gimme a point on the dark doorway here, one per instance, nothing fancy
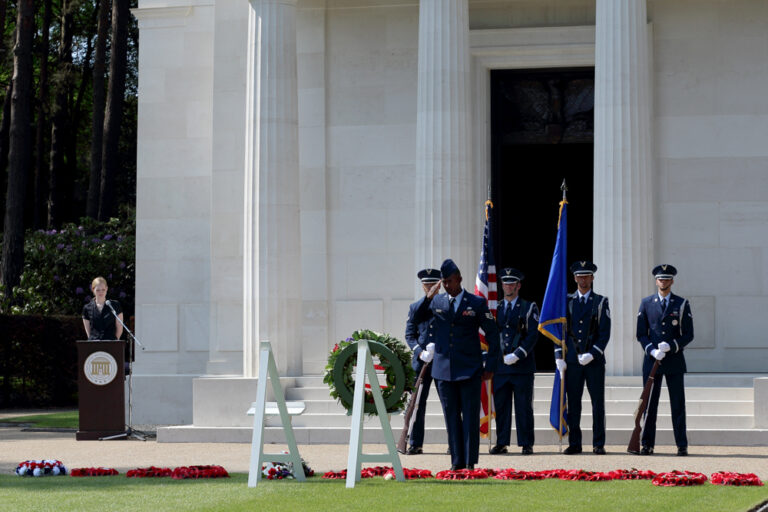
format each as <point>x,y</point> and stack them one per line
<point>542,133</point>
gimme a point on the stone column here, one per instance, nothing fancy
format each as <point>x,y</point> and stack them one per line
<point>272,264</point>
<point>623,223</point>
<point>445,222</point>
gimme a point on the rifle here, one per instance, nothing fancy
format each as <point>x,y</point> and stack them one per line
<point>642,407</point>
<point>410,411</point>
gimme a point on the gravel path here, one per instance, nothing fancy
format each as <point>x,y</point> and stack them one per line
<point>17,446</point>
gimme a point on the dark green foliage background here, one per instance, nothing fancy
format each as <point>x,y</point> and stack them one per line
<point>59,266</point>
<point>38,360</point>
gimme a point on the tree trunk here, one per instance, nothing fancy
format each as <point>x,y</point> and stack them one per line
<point>58,178</point>
<point>20,150</point>
<point>6,120</point>
<point>114,111</point>
<point>97,122</point>
<point>5,128</point>
<point>42,123</point>
<point>3,11</point>
<point>79,191</point>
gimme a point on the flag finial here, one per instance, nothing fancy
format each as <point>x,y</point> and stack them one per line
<point>564,188</point>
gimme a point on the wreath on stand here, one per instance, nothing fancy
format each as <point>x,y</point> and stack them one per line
<point>394,360</point>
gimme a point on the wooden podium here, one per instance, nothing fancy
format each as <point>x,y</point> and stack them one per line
<point>101,389</point>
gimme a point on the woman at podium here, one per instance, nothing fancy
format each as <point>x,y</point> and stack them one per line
<point>99,314</point>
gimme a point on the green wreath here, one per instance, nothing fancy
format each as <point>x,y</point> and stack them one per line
<point>394,359</point>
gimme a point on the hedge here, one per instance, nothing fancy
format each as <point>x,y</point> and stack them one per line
<point>38,360</point>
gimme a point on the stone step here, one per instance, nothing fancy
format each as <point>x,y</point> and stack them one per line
<point>612,420</point>
<point>743,380</point>
<point>542,406</point>
<point>611,393</point>
<point>544,436</point>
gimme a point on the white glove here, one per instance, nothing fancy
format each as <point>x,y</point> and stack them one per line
<point>585,359</point>
<point>658,354</point>
<point>511,359</point>
<point>426,356</point>
<point>561,366</point>
<point>431,348</point>
<point>664,346</point>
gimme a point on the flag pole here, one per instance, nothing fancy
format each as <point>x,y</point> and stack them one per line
<point>490,413</point>
<point>489,382</point>
<point>564,188</point>
<point>485,283</point>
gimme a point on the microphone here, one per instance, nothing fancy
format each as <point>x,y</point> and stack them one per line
<point>109,304</point>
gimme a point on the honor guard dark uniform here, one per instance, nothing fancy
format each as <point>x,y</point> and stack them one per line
<point>518,322</point>
<point>415,336</point>
<point>589,330</point>
<point>457,315</point>
<point>664,329</point>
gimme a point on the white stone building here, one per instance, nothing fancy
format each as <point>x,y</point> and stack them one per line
<point>312,155</point>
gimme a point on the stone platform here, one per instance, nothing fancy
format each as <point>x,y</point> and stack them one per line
<point>721,411</point>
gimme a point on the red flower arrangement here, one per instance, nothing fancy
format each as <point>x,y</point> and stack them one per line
<point>93,472</point>
<point>672,478</point>
<point>465,474</point>
<point>738,479</point>
<point>632,474</point>
<point>374,471</point>
<point>195,472</point>
<point>336,475</point>
<point>149,472</point>
<point>513,474</point>
<point>585,476</point>
<point>410,474</point>
<point>179,473</point>
<point>679,478</point>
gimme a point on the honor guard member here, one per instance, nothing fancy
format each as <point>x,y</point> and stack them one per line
<point>664,328</point>
<point>589,329</point>
<point>518,322</point>
<point>415,336</point>
<point>454,343</point>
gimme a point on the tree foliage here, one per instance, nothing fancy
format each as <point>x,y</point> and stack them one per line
<point>61,263</point>
<point>69,55</point>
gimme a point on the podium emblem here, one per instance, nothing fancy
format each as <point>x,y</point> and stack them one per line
<point>100,368</point>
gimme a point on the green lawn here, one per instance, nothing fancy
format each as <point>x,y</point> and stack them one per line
<point>64,419</point>
<point>119,493</point>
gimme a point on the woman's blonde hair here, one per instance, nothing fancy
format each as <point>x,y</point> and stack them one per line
<point>98,280</point>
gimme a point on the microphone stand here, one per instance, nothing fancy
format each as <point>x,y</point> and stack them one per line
<point>130,432</point>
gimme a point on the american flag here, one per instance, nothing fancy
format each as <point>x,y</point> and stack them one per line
<point>485,286</point>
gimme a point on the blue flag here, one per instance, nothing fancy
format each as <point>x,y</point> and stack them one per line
<point>558,413</point>
<point>552,322</point>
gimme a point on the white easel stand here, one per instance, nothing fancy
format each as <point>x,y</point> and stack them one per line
<point>261,408</point>
<point>356,455</point>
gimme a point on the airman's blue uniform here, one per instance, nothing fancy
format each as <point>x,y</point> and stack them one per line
<point>518,323</point>
<point>458,362</point>
<point>415,336</point>
<point>673,325</point>
<point>589,330</point>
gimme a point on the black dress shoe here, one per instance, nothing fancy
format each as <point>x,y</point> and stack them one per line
<point>598,450</point>
<point>682,452</point>
<point>414,450</point>
<point>646,450</point>
<point>499,448</point>
<point>572,450</point>
<point>456,467</point>
<point>527,450</point>
<point>471,467</point>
